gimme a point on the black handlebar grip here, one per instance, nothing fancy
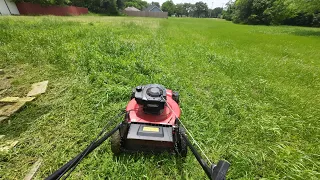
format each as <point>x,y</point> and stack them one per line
<point>219,172</point>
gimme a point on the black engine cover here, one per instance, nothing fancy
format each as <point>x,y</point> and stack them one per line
<point>151,97</point>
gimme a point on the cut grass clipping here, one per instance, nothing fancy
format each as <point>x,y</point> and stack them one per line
<point>249,94</point>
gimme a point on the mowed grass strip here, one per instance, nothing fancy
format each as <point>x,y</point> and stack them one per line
<point>249,94</point>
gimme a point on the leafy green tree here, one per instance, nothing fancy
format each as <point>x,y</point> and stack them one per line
<point>228,13</point>
<point>258,9</point>
<point>132,4</point>
<point>216,12</point>
<point>243,9</point>
<point>279,11</point>
<point>169,7</point>
<point>180,10</point>
<point>111,7</point>
<point>156,4</point>
<point>201,9</point>
<point>139,4</point>
<point>310,6</point>
<point>188,9</point>
<point>289,12</point>
<point>143,4</point>
<point>316,20</point>
<point>120,4</point>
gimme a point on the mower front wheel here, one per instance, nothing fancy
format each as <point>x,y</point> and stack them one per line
<point>116,143</point>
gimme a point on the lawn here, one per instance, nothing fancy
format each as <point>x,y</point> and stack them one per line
<point>249,94</point>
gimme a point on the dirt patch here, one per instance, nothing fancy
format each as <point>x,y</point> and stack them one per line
<point>5,84</point>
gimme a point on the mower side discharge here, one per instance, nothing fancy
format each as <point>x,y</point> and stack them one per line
<point>152,125</point>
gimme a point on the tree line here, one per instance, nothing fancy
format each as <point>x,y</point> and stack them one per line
<point>266,12</point>
<point>114,7</point>
<point>110,7</point>
<point>199,9</point>
<point>274,12</point>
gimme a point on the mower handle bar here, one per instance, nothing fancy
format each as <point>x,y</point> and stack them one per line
<point>65,168</point>
<point>215,172</point>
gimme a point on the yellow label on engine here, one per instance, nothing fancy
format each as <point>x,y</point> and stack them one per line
<point>150,129</point>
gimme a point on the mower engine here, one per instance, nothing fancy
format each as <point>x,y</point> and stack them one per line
<point>150,124</point>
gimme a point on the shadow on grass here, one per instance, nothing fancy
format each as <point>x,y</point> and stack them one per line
<point>301,32</point>
<point>159,159</point>
<point>21,120</point>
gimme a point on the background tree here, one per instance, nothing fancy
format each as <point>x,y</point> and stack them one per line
<point>156,4</point>
<point>288,12</point>
<point>169,7</point>
<point>259,9</point>
<point>268,12</point>
<point>229,11</point>
<point>111,7</point>
<point>201,9</point>
<point>310,6</point>
<point>139,4</point>
<point>180,10</point>
<point>120,4</point>
<point>188,8</point>
<point>216,12</point>
<point>243,9</point>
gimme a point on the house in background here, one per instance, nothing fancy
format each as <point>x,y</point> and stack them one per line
<point>151,11</point>
<point>7,7</point>
<point>153,8</point>
<point>131,9</point>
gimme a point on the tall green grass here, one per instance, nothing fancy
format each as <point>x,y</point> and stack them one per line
<point>249,94</point>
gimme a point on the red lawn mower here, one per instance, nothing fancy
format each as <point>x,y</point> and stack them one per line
<point>151,124</point>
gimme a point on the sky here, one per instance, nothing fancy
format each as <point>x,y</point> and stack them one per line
<point>216,3</point>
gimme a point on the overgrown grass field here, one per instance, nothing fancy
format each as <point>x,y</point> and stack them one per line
<point>249,94</point>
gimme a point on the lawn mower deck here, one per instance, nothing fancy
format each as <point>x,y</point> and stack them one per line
<point>150,125</point>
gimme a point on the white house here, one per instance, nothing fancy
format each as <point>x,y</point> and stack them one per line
<point>8,7</point>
